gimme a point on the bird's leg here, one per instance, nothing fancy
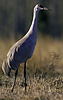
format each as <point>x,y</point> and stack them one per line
<point>25,74</point>
<point>14,80</point>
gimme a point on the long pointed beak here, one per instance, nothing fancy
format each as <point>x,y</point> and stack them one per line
<point>46,9</point>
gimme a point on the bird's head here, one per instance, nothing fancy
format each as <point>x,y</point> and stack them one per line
<point>40,7</point>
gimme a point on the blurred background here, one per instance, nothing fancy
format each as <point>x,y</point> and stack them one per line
<point>45,68</point>
<point>16,18</point>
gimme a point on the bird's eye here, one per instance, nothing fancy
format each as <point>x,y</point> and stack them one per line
<point>41,6</point>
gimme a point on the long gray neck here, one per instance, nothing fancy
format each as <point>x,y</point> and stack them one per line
<point>33,28</point>
<point>34,22</point>
<point>32,33</point>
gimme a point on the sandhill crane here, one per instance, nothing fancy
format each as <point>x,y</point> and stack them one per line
<point>22,50</point>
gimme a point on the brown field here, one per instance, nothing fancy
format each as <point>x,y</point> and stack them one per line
<point>44,72</point>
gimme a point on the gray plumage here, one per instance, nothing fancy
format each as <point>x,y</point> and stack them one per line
<point>22,50</point>
<point>19,53</point>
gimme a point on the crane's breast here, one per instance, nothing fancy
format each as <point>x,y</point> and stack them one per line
<point>24,51</point>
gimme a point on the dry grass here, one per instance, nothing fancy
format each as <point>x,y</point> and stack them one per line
<point>44,72</point>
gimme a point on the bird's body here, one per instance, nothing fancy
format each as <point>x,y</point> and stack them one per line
<point>22,50</point>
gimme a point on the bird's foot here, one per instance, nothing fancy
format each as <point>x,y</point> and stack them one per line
<point>23,84</point>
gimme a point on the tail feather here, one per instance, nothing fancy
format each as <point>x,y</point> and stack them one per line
<point>6,69</point>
